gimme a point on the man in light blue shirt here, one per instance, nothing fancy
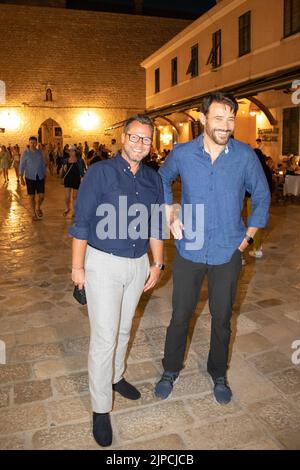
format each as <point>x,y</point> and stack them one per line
<point>33,166</point>
<point>215,172</point>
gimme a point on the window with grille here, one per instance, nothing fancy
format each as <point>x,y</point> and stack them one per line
<point>290,131</point>
<point>291,17</point>
<point>245,33</point>
<point>193,65</point>
<point>157,81</point>
<point>215,56</point>
<point>174,79</point>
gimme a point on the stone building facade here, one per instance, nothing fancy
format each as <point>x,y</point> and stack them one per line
<point>247,47</point>
<point>72,73</point>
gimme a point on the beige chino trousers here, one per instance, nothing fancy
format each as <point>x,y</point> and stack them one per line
<point>113,288</point>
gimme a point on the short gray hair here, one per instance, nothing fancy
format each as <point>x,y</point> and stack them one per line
<point>141,118</point>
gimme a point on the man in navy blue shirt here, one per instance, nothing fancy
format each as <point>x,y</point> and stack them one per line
<point>113,228</point>
<point>33,166</point>
<point>215,172</point>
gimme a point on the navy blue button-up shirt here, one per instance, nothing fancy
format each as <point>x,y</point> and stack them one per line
<point>212,198</point>
<point>99,197</point>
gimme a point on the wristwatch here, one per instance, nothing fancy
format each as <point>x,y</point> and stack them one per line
<point>249,239</point>
<point>159,265</point>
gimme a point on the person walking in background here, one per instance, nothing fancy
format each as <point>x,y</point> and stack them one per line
<point>215,172</point>
<point>86,149</point>
<point>94,154</point>
<point>260,144</point>
<point>33,167</point>
<point>257,251</point>
<point>51,159</point>
<point>115,268</point>
<point>5,162</point>
<point>16,156</point>
<point>114,148</point>
<point>59,155</point>
<point>74,171</point>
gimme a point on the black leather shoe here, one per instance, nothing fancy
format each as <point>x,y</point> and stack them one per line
<point>126,390</point>
<point>102,430</point>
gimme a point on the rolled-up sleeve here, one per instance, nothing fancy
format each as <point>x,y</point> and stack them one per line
<point>168,173</point>
<point>86,204</point>
<point>257,185</point>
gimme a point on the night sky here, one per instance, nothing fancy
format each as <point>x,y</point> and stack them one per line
<point>172,8</point>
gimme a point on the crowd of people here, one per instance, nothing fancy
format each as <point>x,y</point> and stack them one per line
<point>69,163</point>
<point>9,157</point>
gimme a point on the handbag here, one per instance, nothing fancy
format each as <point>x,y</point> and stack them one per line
<point>65,172</point>
<point>79,295</point>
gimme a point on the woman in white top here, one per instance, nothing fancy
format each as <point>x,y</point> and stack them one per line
<point>16,160</point>
<point>5,162</point>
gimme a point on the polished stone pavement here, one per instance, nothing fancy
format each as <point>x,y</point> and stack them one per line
<point>44,398</point>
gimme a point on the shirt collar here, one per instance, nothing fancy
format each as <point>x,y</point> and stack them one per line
<point>200,142</point>
<point>125,165</point>
<point>122,162</point>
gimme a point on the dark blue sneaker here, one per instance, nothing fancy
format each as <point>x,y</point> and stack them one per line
<point>222,391</point>
<point>164,387</point>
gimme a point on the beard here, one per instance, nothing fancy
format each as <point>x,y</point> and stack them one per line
<point>132,156</point>
<point>218,136</point>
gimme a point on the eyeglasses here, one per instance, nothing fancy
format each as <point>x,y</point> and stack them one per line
<point>136,138</point>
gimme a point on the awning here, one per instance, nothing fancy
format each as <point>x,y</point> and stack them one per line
<point>241,90</point>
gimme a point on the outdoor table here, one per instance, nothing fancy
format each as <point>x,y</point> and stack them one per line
<point>292,185</point>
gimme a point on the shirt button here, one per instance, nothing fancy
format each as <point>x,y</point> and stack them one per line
<point>136,193</point>
<point>133,245</point>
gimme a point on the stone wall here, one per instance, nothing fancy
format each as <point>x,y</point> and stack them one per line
<point>90,60</point>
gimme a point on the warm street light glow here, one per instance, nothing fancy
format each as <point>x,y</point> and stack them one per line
<point>88,121</point>
<point>166,138</point>
<point>9,120</point>
<point>260,118</point>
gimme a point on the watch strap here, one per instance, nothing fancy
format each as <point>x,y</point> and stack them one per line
<point>249,239</point>
<point>161,266</point>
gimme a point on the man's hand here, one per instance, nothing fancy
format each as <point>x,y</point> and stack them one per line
<point>22,181</point>
<point>176,227</point>
<point>78,277</point>
<point>243,246</point>
<point>153,278</point>
<point>173,221</point>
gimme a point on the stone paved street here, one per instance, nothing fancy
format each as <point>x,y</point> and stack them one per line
<point>44,398</point>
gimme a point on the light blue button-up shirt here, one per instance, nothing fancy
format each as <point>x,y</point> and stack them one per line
<point>33,165</point>
<point>212,198</point>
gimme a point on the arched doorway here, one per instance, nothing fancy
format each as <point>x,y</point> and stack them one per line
<point>50,132</point>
